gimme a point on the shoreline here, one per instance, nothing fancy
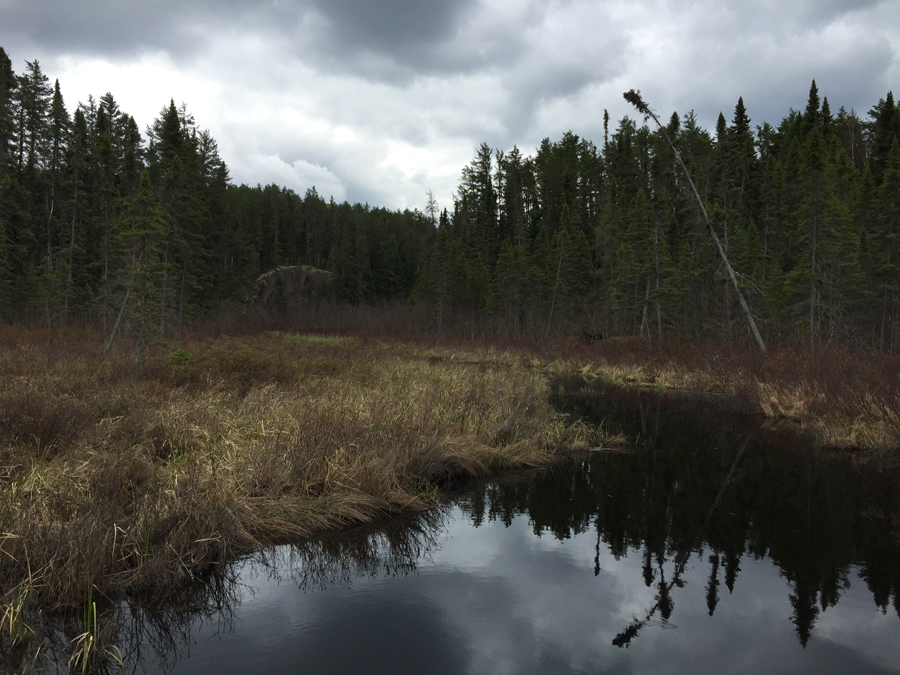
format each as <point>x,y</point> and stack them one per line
<point>120,477</point>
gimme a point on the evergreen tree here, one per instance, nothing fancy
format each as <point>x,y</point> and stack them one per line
<point>34,93</point>
<point>8,85</point>
<point>77,160</point>
<point>54,270</point>
<point>884,129</point>
<point>140,240</point>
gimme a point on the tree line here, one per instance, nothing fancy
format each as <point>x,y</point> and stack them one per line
<point>611,238</point>
<point>101,223</point>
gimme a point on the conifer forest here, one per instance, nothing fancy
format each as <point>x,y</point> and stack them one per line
<point>103,224</point>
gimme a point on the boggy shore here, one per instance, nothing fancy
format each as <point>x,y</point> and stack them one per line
<point>126,476</point>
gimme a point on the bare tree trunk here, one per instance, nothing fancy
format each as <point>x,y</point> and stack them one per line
<point>812,284</point>
<point>71,251</point>
<point>645,323</point>
<point>555,284</point>
<point>634,98</point>
<point>181,297</point>
<point>163,290</point>
<point>105,284</point>
<point>115,329</point>
<point>656,264</point>
<point>47,319</point>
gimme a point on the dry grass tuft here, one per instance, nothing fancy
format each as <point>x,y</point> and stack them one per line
<point>116,476</point>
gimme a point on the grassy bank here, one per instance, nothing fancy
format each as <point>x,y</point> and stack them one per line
<point>847,400</point>
<point>120,477</point>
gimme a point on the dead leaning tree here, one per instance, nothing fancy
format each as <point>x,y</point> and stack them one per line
<point>634,98</point>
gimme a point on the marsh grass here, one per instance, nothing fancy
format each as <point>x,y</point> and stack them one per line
<point>89,648</point>
<point>844,399</point>
<point>143,478</point>
<point>127,477</point>
<point>13,620</point>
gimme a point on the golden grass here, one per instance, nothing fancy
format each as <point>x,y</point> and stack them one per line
<point>116,476</point>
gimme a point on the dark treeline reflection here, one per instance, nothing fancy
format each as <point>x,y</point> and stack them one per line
<point>708,487</point>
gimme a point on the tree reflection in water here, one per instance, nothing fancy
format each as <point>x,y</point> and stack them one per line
<point>706,486</point>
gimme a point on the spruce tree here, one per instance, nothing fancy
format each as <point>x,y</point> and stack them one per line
<point>34,93</point>
<point>8,85</point>
<point>140,240</point>
<point>887,245</point>
<point>884,128</point>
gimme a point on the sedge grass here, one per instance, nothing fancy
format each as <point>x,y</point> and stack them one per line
<point>137,477</point>
<point>846,400</point>
<point>88,649</point>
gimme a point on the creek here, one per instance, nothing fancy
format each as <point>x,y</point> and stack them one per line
<point>711,546</point>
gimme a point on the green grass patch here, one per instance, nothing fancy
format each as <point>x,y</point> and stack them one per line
<point>330,340</point>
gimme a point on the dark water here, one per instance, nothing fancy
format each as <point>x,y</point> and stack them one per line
<point>709,548</point>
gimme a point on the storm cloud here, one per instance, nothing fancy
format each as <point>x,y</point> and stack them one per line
<point>381,101</point>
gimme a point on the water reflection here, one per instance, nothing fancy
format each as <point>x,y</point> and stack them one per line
<point>707,548</point>
<point>710,478</point>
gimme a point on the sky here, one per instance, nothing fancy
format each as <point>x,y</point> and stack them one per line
<point>380,101</point>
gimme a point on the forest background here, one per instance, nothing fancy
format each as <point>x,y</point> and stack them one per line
<point>99,226</point>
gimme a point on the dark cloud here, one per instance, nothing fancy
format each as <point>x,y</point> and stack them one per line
<point>102,27</point>
<point>390,40</point>
<point>348,91</point>
<point>399,41</point>
<point>395,27</point>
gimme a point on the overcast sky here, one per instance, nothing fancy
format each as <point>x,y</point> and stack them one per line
<point>379,101</point>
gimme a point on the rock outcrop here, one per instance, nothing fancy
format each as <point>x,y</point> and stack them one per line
<point>287,288</point>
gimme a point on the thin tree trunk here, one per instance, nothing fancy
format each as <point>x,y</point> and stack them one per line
<point>49,262</point>
<point>634,98</point>
<point>71,252</point>
<point>115,329</point>
<point>162,299</point>
<point>181,297</point>
<point>656,263</point>
<point>812,287</point>
<point>105,260</point>
<point>645,327</point>
<point>555,284</point>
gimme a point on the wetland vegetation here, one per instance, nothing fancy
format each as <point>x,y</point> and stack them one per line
<point>123,478</point>
<point>191,370</point>
<point>708,527</point>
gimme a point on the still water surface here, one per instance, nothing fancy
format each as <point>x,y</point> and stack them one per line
<point>706,549</point>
